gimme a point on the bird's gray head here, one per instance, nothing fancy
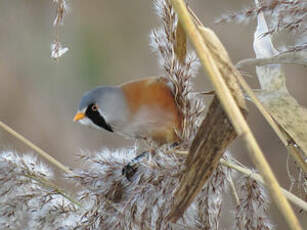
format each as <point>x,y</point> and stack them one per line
<point>102,107</point>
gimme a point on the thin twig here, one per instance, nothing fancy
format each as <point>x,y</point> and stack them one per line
<point>283,58</point>
<point>292,179</point>
<point>235,114</point>
<point>234,191</point>
<point>291,197</point>
<point>210,92</point>
<point>47,184</point>
<point>41,152</point>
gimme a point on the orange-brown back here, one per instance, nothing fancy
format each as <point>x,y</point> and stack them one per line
<point>155,92</point>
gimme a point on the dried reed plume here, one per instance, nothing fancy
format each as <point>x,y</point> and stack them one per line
<point>251,213</point>
<point>180,72</point>
<point>28,199</point>
<point>285,15</point>
<point>56,47</point>
<point>114,203</point>
<point>209,202</point>
<point>282,16</point>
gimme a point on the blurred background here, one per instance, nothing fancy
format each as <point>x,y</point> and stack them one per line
<point>108,42</point>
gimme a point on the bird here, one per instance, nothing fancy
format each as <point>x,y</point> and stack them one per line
<point>140,109</point>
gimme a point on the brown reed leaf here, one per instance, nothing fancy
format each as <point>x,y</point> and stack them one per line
<point>215,134</point>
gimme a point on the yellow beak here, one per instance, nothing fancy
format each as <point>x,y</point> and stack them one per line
<point>79,116</point>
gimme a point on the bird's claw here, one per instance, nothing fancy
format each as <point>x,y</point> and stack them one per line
<point>129,170</point>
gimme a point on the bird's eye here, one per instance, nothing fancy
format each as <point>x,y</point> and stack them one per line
<point>94,108</point>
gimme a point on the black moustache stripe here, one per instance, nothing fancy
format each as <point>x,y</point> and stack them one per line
<point>97,119</point>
